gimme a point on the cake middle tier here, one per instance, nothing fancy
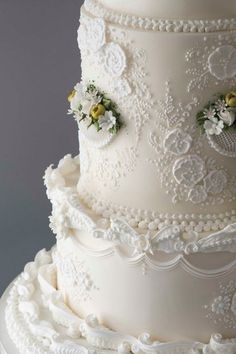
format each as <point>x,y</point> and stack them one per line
<point>97,260</point>
<point>159,166</point>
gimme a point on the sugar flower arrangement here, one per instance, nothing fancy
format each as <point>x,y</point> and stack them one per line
<point>92,106</point>
<point>218,115</point>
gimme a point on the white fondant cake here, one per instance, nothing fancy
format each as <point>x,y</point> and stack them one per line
<point>160,169</point>
<point>145,216</point>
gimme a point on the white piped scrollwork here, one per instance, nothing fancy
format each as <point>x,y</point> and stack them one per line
<point>69,213</point>
<point>52,327</point>
<point>168,240</point>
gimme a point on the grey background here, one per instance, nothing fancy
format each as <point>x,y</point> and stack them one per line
<point>39,64</point>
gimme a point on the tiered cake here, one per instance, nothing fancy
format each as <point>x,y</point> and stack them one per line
<point>145,216</point>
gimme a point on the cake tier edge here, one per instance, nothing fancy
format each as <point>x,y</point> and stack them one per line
<point>38,321</point>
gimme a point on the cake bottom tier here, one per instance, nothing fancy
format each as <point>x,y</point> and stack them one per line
<point>40,322</point>
<point>171,296</point>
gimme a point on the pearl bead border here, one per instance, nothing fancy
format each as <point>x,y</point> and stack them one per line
<point>159,25</point>
<point>153,221</point>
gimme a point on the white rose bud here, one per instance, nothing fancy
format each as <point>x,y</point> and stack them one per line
<point>228,117</point>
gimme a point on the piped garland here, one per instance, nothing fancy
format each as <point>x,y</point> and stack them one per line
<point>94,107</point>
<point>218,115</point>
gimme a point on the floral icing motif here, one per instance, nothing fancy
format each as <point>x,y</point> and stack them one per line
<point>175,138</point>
<point>108,171</point>
<point>92,34</point>
<point>93,107</point>
<point>49,326</point>
<point>222,308</point>
<point>114,59</point>
<point>75,274</point>
<point>215,181</point>
<point>221,305</point>
<point>212,62</point>
<point>197,194</point>
<point>118,69</point>
<point>173,123</point>
<point>177,142</point>
<point>189,170</point>
<point>121,87</point>
<point>222,62</point>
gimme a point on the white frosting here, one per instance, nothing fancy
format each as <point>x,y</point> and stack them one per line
<point>181,9</point>
<point>69,212</point>
<point>93,251</point>
<point>123,251</point>
<point>158,166</point>
<point>190,23</point>
<point>39,322</point>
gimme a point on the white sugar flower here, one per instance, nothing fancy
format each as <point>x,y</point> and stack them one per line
<point>220,105</point>
<point>107,121</point>
<point>76,97</point>
<point>209,114</point>
<point>75,102</point>
<point>214,127</point>
<point>228,117</point>
<point>87,106</point>
<point>82,101</point>
<point>80,89</point>
<point>91,98</point>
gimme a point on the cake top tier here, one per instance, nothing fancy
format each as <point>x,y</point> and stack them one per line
<point>175,9</point>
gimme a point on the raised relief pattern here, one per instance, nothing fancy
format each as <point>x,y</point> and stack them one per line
<point>184,171</point>
<point>223,306</point>
<point>38,322</point>
<point>120,71</point>
<point>70,213</point>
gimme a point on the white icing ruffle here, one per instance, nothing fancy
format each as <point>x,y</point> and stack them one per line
<point>69,213</point>
<point>39,322</point>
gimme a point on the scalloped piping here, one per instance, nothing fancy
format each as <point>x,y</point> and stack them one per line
<point>158,25</point>
<point>156,265</point>
<point>69,213</point>
<point>146,219</point>
<point>33,335</point>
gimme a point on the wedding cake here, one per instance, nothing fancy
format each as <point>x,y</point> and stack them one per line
<point>145,215</point>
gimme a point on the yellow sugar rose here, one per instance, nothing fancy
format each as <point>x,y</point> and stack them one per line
<point>97,111</point>
<point>230,99</point>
